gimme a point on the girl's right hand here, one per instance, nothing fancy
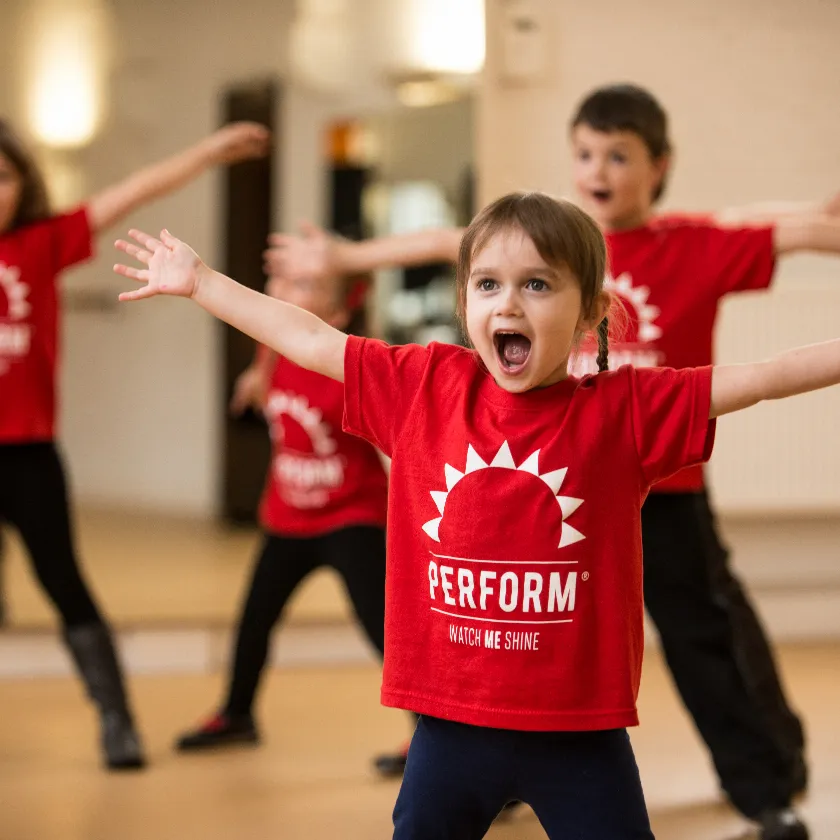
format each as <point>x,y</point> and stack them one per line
<point>308,256</point>
<point>173,267</point>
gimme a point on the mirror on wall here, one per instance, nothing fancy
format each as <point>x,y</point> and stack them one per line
<point>397,172</point>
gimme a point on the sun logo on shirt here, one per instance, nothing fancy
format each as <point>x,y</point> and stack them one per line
<point>15,291</point>
<point>636,298</point>
<point>504,461</point>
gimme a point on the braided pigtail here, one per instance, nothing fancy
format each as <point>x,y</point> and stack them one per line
<point>603,331</point>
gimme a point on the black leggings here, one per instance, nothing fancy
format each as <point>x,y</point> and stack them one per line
<point>357,553</point>
<point>33,499</point>
<point>718,653</point>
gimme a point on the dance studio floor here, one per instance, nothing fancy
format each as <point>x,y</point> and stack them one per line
<point>171,588</point>
<point>311,779</point>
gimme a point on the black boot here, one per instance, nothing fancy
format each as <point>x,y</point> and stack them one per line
<point>391,765</point>
<point>96,661</point>
<point>782,824</point>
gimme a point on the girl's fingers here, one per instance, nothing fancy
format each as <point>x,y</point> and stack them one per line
<point>140,274</point>
<point>138,294</point>
<point>168,239</point>
<point>148,242</point>
<point>139,254</point>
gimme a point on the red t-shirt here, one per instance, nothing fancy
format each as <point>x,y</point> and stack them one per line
<point>670,276</point>
<point>320,478</point>
<point>31,257</point>
<point>514,584</point>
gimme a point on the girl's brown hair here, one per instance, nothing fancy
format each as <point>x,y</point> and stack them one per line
<point>34,204</point>
<point>563,235</point>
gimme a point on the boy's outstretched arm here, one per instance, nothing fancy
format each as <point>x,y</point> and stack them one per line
<point>235,142</point>
<point>772,212</point>
<point>175,269</point>
<point>797,226</point>
<point>818,232</point>
<point>793,372</point>
<point>315,255</point>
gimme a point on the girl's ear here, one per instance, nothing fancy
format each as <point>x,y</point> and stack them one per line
<point>600,307</point>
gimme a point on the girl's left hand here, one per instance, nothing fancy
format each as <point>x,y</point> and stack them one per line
<point>173,267</point>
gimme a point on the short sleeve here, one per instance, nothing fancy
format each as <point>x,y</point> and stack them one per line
<point>740,259</point>
<point>671,419</point>
<point>71,239</point>
<point>380,382</point>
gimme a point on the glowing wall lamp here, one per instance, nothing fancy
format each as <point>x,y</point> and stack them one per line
<point>67,58</point>
<point>436,48</point>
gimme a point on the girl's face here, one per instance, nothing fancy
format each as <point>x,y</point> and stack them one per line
<point>615,176</point>
<point>522,315</point>
<point>11,186</point>
<point>320,297</point>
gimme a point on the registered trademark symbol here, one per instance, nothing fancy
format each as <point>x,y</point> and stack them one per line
<point>585,576</point>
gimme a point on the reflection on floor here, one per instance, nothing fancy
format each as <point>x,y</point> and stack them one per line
<point>311,779</point>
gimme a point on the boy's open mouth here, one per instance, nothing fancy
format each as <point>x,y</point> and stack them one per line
<point>602,195</point>
<point>512,349</point>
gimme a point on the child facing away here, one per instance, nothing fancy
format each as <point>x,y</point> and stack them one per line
<point>324,505</point>
<point>514,601</point>
<point>36,245</point>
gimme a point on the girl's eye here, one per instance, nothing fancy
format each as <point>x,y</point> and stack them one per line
<point>537,284</point>
<point>583,154</point>
<point>617,157</point>
<point>486,284</point>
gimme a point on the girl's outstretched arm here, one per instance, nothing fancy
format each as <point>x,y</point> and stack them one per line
<point>235,142</point>
<point>793,372</point>
<point>315,254</point>
<point>175,269</point>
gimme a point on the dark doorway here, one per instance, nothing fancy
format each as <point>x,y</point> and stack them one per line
<point>248,211</point>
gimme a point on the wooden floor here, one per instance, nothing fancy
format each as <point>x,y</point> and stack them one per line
<point>311,779</point>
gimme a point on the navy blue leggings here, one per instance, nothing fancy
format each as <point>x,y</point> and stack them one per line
<point>581,785</point>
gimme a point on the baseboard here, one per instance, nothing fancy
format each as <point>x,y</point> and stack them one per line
<point>40,653</point>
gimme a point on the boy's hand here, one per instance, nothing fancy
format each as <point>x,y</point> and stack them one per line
<point>173,267</point>
<point>308,256</point>
<point>238,141</point>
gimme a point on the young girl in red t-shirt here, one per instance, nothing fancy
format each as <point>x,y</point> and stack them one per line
<point>35,246</point>
<point>514,604</point>
<point>324,505</point>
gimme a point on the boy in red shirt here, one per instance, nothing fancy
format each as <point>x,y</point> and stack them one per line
<point>514,603</point>
<point>670,273</point>
<point>35,246</point>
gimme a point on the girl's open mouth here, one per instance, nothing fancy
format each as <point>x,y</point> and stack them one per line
<point>513,350</point>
